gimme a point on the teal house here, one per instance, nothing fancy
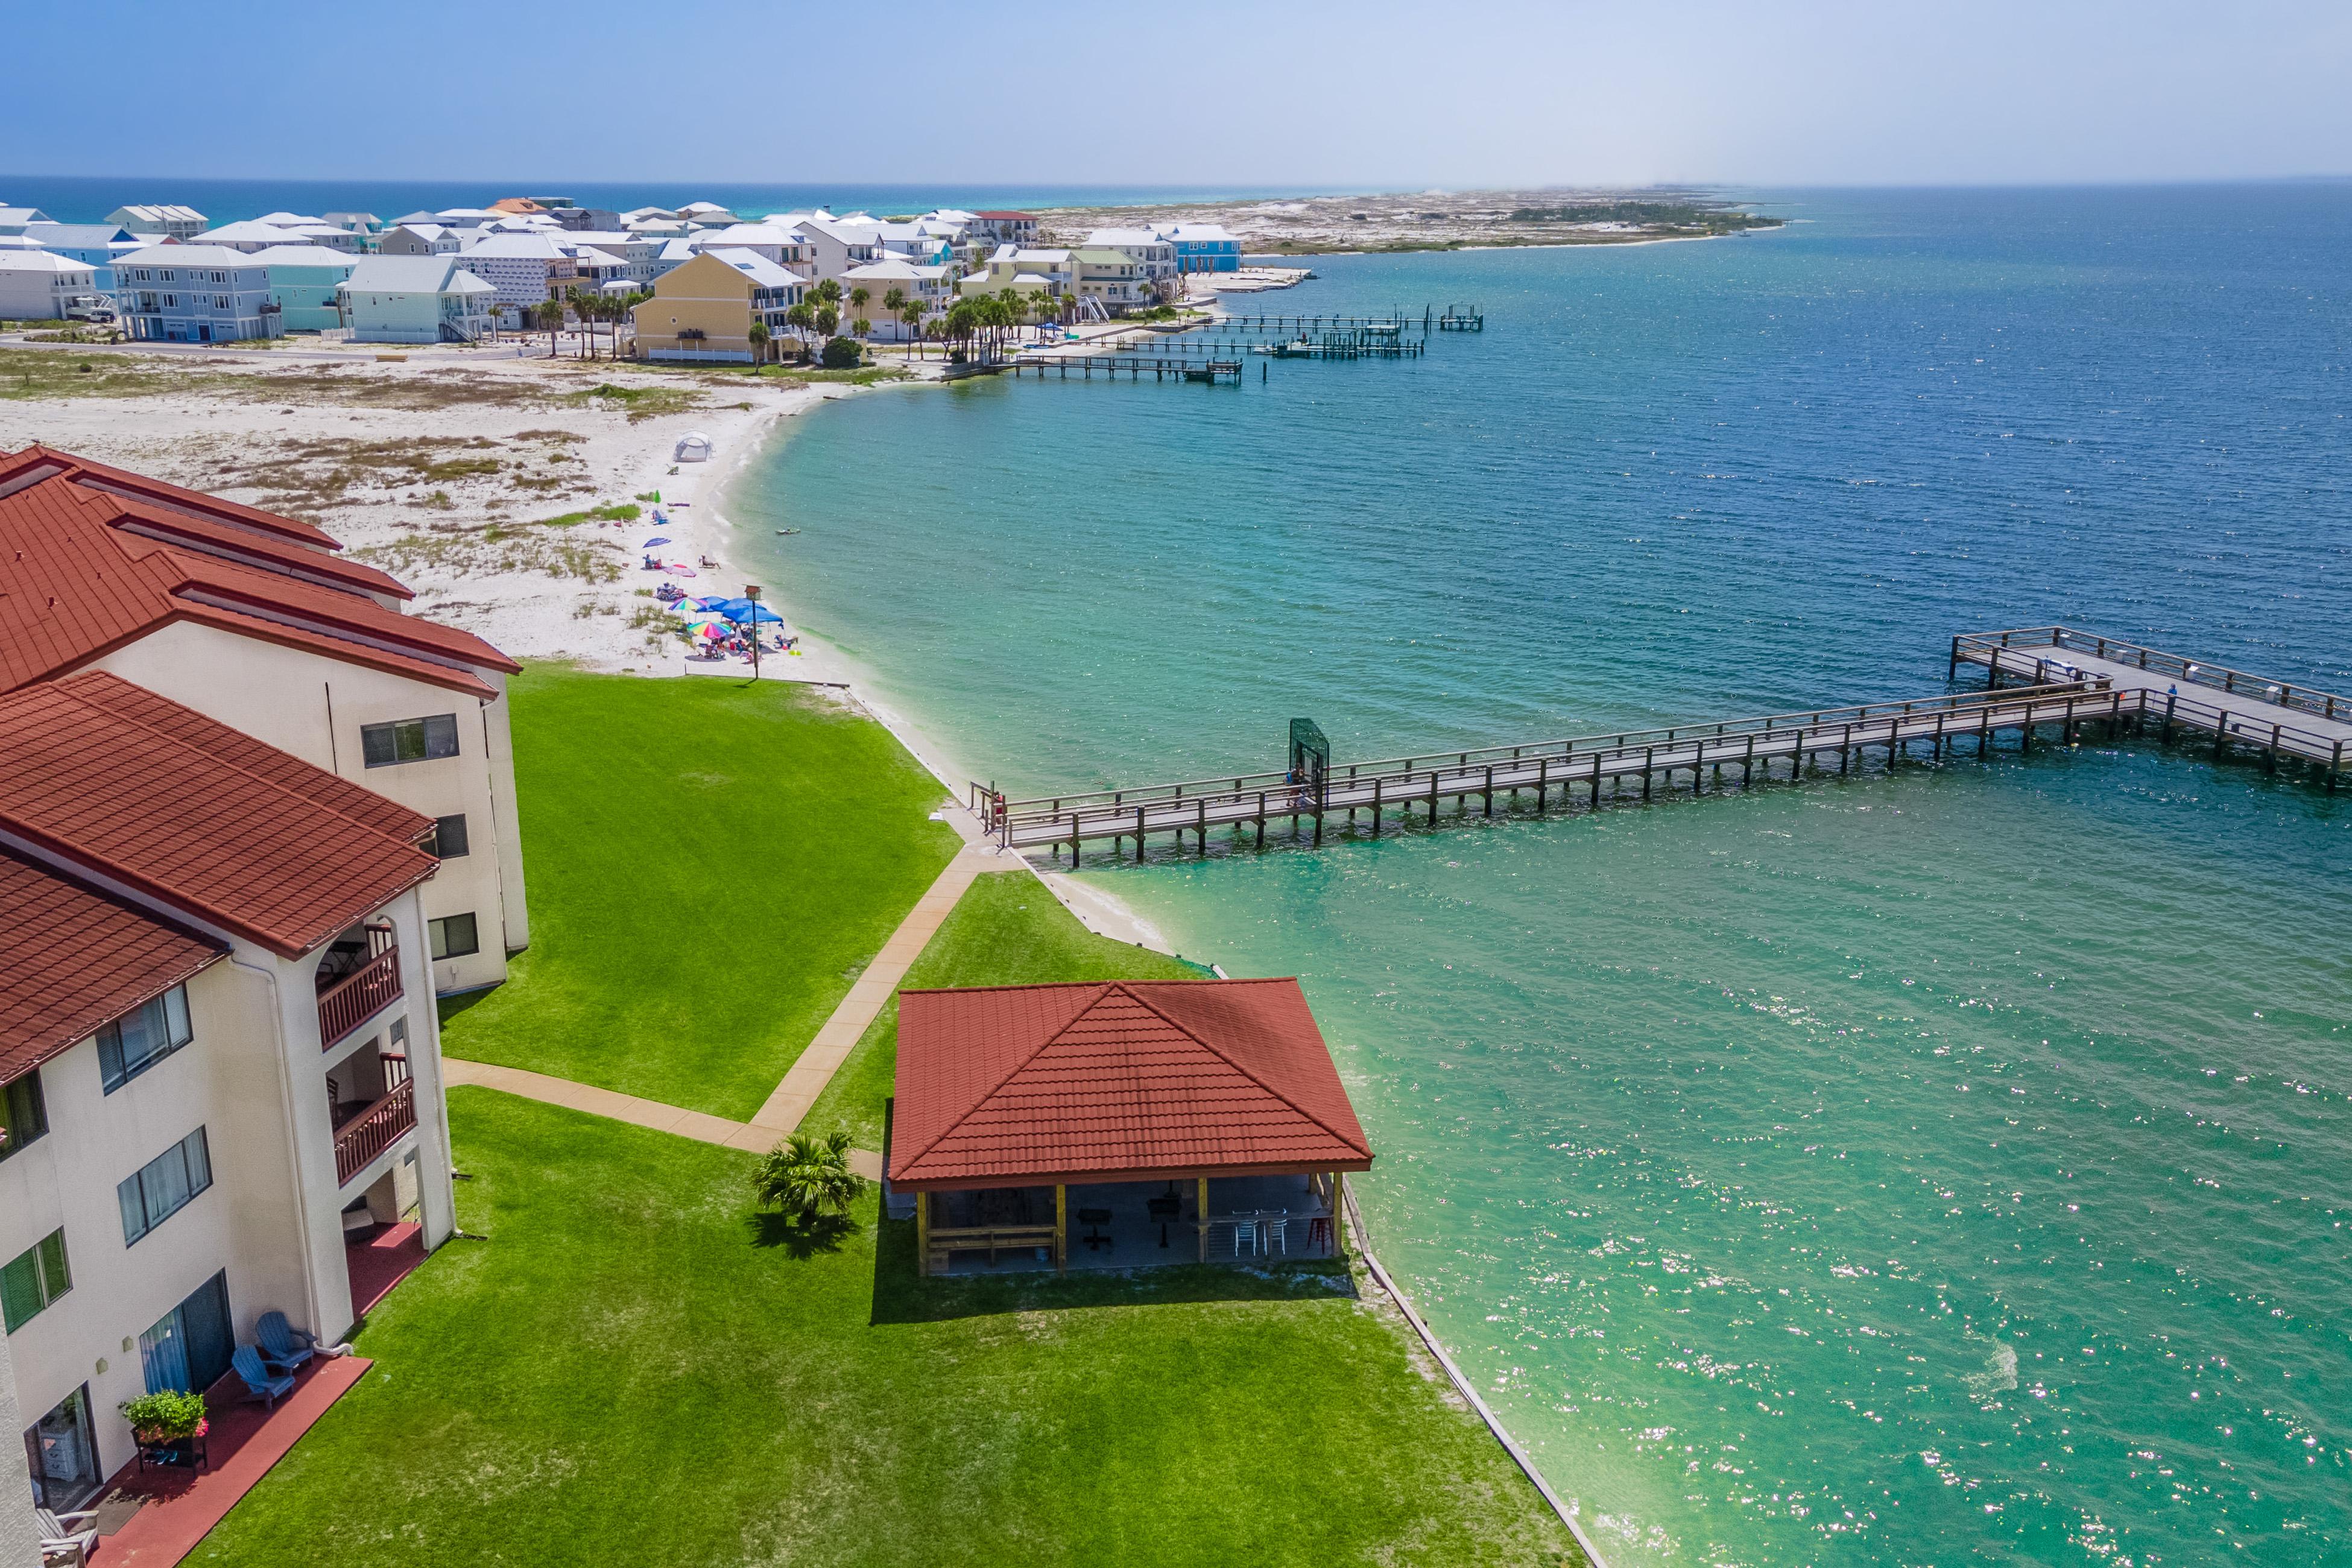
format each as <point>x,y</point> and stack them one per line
<point>305,284</point>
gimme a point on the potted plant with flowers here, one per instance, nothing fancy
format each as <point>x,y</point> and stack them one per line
<point>168,1425</point>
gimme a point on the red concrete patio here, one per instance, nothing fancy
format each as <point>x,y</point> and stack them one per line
<point>380,1261</point>
<point>182,1506</point>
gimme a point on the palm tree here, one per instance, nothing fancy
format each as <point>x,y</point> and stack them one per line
<point>858,298</point>
<point>861,326</point>
<point>827,319</point>
<point>550,316</point>
<point>759,335</point>
<point>912,314</point>
<point>802,319</point>
<point>807,1177</point>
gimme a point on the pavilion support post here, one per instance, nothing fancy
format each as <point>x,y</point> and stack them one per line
<point>1201,1219</point>
<point>1061,1227</point>
<point>1339,1233</point>
<point>922,1233</point>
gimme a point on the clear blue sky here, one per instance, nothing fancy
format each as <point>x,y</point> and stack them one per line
<point>1372,94</point>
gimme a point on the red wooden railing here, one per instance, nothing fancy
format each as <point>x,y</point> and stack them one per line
<point>374,1131</point>
<point>357,997</point>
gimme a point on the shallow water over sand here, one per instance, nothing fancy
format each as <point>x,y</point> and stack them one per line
<point>1944,1167</point>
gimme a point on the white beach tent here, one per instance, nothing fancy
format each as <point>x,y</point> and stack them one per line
<point>694,448</point>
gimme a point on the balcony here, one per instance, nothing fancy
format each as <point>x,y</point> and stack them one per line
<point>358,980</point>
<point>375,1130</point>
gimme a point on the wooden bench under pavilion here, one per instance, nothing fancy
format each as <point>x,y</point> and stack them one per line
<point>1122,1084</point>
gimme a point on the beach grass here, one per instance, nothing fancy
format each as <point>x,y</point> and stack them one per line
<point>635,1367</point>
<point>710,863</point>
<point>1006,930</point>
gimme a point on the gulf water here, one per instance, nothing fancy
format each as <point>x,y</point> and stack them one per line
<point>1942,1167</point>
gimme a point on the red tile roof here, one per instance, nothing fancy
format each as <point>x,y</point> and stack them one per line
<point>126,785</point>
<point>92,558</point>
<point>1127,1081</point>
<point>73,958</point>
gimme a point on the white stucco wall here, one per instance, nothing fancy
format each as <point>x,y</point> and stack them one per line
<point>20,1537</point>
<point>315,708</point>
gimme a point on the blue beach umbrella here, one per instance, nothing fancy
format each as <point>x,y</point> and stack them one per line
<point>649,543</point>
<point>748,610</point>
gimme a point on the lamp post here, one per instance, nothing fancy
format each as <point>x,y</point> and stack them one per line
<point>751,592</point>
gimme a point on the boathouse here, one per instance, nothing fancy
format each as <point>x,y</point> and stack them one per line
<point>1118,1124</point>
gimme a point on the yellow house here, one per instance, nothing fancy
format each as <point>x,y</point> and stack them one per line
<point>704,308</point>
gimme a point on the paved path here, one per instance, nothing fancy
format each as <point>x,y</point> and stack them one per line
<point>817,1065</point>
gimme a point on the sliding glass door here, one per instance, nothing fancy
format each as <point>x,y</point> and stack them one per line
<point>63,1452</point>
<point>190,1346</point>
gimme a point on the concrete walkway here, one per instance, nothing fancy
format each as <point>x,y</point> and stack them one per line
<point>809,1074</point>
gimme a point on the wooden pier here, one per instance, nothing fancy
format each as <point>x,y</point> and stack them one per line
<point>1396,323</point>
<point>1461,318</point>
<point>2071,687</point>
<point>1161,367</point>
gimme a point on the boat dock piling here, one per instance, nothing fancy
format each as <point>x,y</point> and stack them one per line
<point>2070,688</point>
<point>1162,366</point>
<point>1461,318</point>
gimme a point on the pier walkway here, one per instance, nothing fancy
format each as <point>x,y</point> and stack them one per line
<point>2071,684</point>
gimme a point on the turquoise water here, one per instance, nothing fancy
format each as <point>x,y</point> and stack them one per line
<point>1935,1168</point>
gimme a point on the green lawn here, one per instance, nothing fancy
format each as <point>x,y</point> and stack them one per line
<point>1006,930</point>
<point>710,863</point>
<point>633,1368</point>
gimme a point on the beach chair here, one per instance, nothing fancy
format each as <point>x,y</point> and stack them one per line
<point>66,1538</point>
<point>283,1346</point>
<point>260,1382</point>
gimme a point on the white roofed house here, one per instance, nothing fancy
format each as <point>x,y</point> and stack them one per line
<point>14,220</point>
<point>1154,256</point>
<point>780,243</point>
<point>836,245</point>
<point>417,300</point>
<point>42,286</point>
<point>709,214</point>
<point>250,235</point>
<point>636,254</point>
<point>705,310</point>
<point>420,239</point>
<point>170,221</point>
<point>931,286</point>
<point>195,294</point>
<point>527,271</point>
<point>96,243</point>
<point>1013,267</point>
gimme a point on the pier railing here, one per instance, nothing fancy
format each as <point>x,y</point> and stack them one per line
<point>1982,647</point>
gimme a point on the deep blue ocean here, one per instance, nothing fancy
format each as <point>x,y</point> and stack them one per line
<point>1948,1167</point>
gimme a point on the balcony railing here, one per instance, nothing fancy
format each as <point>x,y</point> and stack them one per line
<point>358,997</point>
<point>374,1131</point>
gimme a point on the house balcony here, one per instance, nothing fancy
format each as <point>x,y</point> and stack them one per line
<point>358,979</point>
<point>376,1127</point>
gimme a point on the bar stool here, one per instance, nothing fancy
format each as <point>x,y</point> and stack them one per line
<point>1319,1233</point>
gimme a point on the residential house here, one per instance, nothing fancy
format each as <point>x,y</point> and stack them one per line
<point>836,245</point>
<point>915,242</point>
<point>249,236</point>
<point>305,284</point>
<point>420,239</point>
<point>637,254</point>
<point>417,300</point>
<point>315,230</point>
<point>365,225</point>
<point>193,294</point>
<point>1218,1113</point>
<point>1155,257</point>
<point>42,286</point>
<point>1010,265</point>
<point>218,1056</point>
<point>1203,247</point>
<point>1006,229</point>
<point>1112,278</point>
<point>527,270</point>
<point>931,286</point>
<point>709,214</point>
<point>96,243</point>
<point>171,221</point>
<point>256,621</point>
<point>785,247</point>
<point>705,309</point>
<point>14,220</point>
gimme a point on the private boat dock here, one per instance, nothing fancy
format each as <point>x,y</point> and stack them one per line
<point>1184,367</point>
<point>2073,679</point>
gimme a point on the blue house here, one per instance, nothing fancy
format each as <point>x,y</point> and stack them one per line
<point>1203,247</point>
<point>98,244</point>
<point>195,294</point>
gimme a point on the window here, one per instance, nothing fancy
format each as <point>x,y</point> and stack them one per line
<point>409,740</point>
<point>454,936</point>
<point>23,1117</point>
<point>137,1041</point>
<point>448,840</point>
<point>165,1186</point>
<point>33,1279</point>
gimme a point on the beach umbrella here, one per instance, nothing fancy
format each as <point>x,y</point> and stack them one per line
<point>709,631</point>
<point>749,610</point>
<point>649,543</point>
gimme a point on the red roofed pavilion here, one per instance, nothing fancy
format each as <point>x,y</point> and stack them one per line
<point>1125,1100</point>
